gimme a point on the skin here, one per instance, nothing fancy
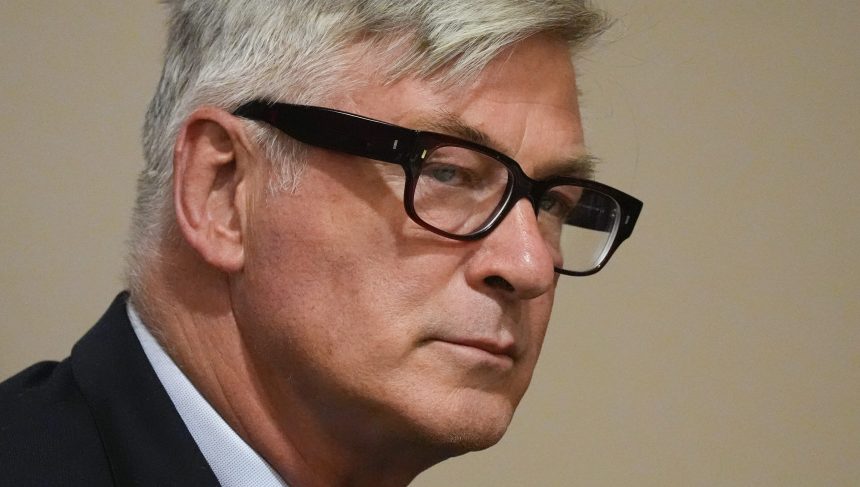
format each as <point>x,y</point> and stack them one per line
<point>343,342</point>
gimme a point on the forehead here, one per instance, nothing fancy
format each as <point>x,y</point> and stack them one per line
<point>524,103</point>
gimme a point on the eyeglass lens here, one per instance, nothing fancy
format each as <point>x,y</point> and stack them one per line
<point>461,191</point>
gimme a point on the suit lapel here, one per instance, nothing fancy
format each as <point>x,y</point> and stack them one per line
<point>144,437</point>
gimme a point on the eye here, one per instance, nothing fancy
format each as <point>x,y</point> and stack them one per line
<point>462,168</point>
<point>442,173</point>
<point>449,174</point>
<point>555,204</point>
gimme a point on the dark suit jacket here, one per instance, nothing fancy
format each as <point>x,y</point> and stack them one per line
<point>98,418</point>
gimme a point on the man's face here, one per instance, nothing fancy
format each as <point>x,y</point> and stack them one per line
<point>357,318</point>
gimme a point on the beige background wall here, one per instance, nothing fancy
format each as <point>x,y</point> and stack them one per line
<point>722,345</point>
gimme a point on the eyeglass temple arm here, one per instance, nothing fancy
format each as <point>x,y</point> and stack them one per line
<point>335,130</point>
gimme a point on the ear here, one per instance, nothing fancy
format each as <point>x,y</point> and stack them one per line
<point>210,184</point>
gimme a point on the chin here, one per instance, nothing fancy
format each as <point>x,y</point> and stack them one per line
<point>465,441</point>
<point>469,423</point>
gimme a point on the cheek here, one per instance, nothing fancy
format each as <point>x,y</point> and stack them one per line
<point>325,269</point>
<point>538,313</point>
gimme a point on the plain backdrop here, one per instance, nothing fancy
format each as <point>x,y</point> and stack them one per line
<point>721,347</point>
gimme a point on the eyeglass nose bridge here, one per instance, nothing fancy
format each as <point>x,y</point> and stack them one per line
<point>525,187</point>
<point>520,186</point>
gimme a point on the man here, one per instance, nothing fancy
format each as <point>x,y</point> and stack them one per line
<point>344,250</point>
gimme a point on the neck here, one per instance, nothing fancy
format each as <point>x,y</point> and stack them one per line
<point>188,307</point>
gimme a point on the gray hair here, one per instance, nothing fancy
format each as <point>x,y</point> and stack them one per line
<point>226,52</point>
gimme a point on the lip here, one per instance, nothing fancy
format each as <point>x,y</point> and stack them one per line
<point>497,349</point>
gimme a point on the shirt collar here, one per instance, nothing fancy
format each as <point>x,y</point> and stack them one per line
<point>233,461</point>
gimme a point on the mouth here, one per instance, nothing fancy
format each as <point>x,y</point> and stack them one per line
<point>483,350</point>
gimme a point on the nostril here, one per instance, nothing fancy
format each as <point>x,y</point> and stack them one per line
<point>499,282</point>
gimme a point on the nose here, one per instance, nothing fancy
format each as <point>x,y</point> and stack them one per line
<point>514,259</point>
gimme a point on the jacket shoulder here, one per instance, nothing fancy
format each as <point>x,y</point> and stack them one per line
<point>47,433</point>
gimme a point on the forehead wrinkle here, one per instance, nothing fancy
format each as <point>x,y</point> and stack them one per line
<point>448,123</point>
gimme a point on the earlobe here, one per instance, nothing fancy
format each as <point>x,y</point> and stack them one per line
<point>209,183</point>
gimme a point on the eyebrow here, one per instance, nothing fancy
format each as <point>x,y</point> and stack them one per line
<point>581,167</point>
<point>448,123</point>
<point>445,122</point>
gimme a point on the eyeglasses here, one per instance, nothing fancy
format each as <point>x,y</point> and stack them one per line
<point>463,190</point>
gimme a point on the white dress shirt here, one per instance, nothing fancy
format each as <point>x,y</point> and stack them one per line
<point>233,461</point>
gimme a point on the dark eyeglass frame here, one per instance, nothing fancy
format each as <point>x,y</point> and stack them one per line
<point>361,136</point>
